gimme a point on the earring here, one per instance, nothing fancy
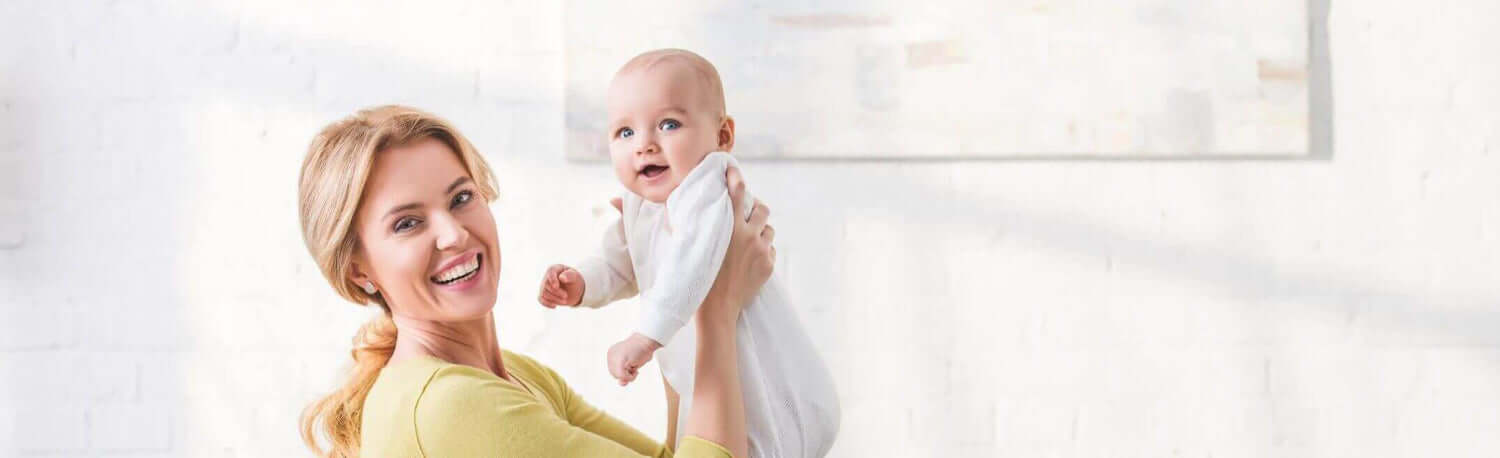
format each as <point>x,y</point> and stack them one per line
<point>369,288</point>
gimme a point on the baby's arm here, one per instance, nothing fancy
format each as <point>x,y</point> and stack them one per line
<point>604,277</point>
<point>701,219</point>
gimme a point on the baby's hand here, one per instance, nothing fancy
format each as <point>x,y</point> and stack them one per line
<point>627,356</point>
<point>561,285</point>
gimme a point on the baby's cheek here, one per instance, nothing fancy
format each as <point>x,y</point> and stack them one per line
<point>626,177</point>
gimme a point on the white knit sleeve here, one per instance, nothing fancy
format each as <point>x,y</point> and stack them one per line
<point>701,222</point>
<point>608,275</point>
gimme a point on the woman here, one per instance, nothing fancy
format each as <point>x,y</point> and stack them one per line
<point>393,205</point>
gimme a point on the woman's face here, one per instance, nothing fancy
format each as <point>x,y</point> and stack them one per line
<point>427,238</point>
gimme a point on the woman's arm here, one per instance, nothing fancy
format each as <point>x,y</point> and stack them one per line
<point>718,413</point>
<point>671,440</point>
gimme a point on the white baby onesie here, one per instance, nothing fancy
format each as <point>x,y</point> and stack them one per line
<point>791,408</point>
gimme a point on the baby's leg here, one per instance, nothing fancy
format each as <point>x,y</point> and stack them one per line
<point>797,389</point>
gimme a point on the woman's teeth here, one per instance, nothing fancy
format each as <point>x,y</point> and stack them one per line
<point>458,272</point>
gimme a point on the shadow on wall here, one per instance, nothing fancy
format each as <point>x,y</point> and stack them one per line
<point>1355,308</point>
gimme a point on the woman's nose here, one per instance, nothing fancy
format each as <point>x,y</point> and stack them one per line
<point>450,233</point>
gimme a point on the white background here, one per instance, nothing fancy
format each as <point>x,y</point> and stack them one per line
<point>156,299</point>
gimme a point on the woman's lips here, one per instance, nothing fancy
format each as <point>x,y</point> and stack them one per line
<point>469,281</point>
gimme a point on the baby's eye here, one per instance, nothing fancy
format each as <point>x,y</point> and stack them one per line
<point>669,124</point>
<point>624,132</point>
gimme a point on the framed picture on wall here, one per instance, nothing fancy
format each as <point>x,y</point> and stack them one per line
<point>968,78</point>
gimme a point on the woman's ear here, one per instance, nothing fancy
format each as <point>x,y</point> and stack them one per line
<point>726,134</point>
<point>359,277</point>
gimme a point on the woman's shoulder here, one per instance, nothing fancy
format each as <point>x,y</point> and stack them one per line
<point>529,370</point>
<point>423,405</point>
<point>456,385</point>
<point>415,377</point>
<point>465,411</point>
<point>413,397</point>
<point>440,387</point>
<point>423,390</point>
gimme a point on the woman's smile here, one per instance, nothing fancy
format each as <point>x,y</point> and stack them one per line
<point>460,274</point>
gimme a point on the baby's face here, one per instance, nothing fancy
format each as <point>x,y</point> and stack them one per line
<point>661,126</point>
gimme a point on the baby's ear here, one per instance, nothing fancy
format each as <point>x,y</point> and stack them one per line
<point>726,134</point>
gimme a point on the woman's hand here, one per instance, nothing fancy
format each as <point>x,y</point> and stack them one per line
<point>747,263</point>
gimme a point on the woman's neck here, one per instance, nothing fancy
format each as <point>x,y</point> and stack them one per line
<point>470,343</point>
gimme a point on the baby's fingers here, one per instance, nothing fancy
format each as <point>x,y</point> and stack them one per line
<point>617,369</point>
<point>549,291</point>
<point>570,276</point>
<point>630,373</point>
<point>553,273</point>
<point>545,298</point>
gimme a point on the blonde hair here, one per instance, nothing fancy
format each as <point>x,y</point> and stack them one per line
<point>331,186</point>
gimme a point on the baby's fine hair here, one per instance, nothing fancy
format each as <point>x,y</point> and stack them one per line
<point>705,70</point>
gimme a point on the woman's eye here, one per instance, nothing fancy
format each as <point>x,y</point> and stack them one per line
<point>669,124</point>
<point>624,132</point>
<point>405,224</point>
<point>462,197</point>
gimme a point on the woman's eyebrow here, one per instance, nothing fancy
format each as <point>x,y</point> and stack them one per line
<point>456,183</point>
<point>400,209</point>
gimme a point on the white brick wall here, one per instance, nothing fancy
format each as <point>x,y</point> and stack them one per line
<point>156,299</point>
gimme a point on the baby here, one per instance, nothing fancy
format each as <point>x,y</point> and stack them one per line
<point>669,137</point>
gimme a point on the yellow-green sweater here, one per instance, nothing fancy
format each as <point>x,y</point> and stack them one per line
<point>427,407</point>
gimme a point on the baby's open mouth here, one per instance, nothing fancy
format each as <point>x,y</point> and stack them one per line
<point>459,272</point>
<point>651,171</point>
